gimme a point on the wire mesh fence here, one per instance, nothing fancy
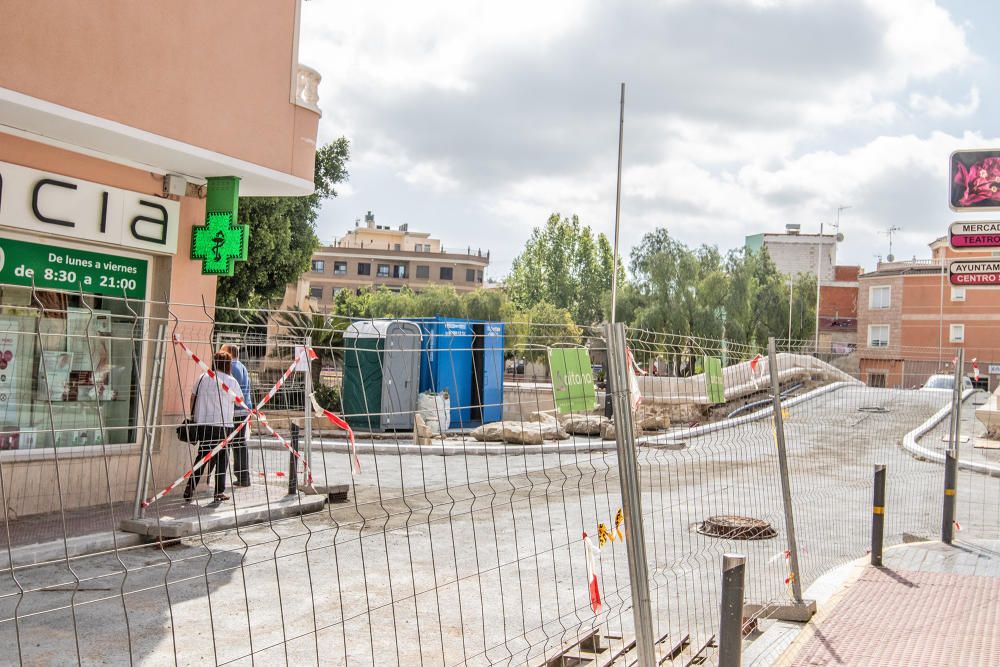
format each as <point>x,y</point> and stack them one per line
<point>436,491</point>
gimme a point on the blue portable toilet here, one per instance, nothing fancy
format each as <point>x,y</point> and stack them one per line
<point>466,358</point>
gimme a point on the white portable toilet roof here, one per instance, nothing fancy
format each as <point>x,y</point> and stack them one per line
<point>376,328</point>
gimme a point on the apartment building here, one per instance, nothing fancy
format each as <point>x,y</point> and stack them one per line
<point>911,321</point>
<point>371,255</point>
<point>838,311</point>
<point>795,253</point>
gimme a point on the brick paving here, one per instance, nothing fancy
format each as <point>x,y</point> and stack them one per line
<point>931,604</point>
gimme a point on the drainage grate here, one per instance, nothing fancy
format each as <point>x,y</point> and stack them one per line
<point>737,528</point>
<point>877,409</point>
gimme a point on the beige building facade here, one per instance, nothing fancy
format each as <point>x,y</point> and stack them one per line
<point>373,255</point>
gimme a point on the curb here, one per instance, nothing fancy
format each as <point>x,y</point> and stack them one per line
<point>910,443</point>
<point>654,440</point>
<point>57,551</point>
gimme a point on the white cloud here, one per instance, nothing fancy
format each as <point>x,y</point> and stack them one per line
<point>938,107</point>
<point>741,114</point>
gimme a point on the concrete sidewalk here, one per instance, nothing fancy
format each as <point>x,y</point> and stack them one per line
<point>931,604</point>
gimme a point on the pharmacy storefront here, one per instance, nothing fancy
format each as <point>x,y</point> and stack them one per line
<point>79,262</point>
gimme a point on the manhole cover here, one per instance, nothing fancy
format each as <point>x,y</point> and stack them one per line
<point>737,528</point>
<point>878,409</point>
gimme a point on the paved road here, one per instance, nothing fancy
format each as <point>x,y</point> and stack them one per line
<point>451,560</point>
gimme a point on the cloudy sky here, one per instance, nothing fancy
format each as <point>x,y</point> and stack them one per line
<point>475,120</point>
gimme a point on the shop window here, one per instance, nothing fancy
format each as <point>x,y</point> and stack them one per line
<point>423,271</point>
<point>364,269</point>
<point>318,266</point>
<point>399,271</point>
<point>878,335</point>
<point>383,271</point>
<point>447,273</point>
<point>879,297</point>
<point>340,268</point>
<point>470,275</point>
<point>69,369</point>
<point>957,293</point>
<point>316,292</point>
<point>956,333</point>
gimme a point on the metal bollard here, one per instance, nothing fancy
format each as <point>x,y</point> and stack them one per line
<point>878,515</point>
<point>731,610</point>
<point>950,479</point>
<point>293,463</point>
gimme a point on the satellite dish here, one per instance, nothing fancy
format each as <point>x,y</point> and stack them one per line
<point>890,258</point>
<point>840,237</point>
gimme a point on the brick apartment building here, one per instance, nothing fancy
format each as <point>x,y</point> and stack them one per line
<point>371,255</point>
<point>838,311</point>
<point>911,321</point>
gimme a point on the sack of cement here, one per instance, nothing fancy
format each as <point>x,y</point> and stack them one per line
<point>435,408</point>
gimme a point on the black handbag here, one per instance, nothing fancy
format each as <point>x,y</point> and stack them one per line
<point>190,431</point>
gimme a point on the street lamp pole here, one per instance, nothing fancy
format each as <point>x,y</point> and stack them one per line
<point>819,267</point>
<point>791,292</point>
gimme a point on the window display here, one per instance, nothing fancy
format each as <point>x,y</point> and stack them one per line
<point>68,369</point>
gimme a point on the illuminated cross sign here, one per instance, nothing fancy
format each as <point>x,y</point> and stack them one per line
<point>220,242</point>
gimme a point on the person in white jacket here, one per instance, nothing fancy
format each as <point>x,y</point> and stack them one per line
<point>212,409</point>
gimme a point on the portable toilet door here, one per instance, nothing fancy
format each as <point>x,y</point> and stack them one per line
<point>364,343</point>
<point>491,378</point>
<point>450,366</point>
<point>400,375</point>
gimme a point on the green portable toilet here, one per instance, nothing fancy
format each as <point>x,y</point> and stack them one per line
<point>381,374</point>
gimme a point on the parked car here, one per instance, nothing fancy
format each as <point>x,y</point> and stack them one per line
<point>945,383</point>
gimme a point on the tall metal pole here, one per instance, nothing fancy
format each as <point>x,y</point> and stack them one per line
<point>631,498</point>
<point>878,514</point>
<point>731,610</point>
<point>618,206</point>
<point>786,491</point>
<point>951,456</point>
<point>819,279</point>
<point>307,404</point>
<point>791,292</point>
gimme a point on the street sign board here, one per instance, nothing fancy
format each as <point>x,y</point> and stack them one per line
<point>981,234</point>
<point>974,273</point>
<point>975,180</point>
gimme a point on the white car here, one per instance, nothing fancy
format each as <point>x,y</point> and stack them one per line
<point>945,383</point>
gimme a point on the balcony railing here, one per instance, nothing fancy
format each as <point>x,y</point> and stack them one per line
<point>307,88</point>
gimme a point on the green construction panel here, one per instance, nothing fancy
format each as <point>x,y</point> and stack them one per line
<point>714,381</point>
<point>572,379</point>
<point>362,384</point>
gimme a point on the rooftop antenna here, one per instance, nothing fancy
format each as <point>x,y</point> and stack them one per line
<point>890,233</point>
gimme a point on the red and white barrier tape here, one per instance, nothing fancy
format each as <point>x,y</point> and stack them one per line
<point>593,589</point>
<point>340,423</point>
<point>225,442</point>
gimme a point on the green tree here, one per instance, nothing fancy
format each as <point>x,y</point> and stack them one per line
<point>282,235</point>
<point>564,265</point>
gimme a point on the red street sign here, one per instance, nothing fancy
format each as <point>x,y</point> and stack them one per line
<point>968,273</point>
<point>975,180</point>
<point>974,235</point>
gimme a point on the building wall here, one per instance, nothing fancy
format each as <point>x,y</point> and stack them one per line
<point>796,253</point>
<point>204,73</point>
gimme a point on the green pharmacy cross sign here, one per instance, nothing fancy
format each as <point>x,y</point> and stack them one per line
<point>220,242</point>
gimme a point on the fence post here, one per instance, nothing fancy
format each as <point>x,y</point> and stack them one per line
<point>151,415</point>
<point>628,478</point>
<point>293,463</point>
<point>307,404</point>
<point>731,610</point>
<point>878,514</point>
<point>786,491</point>
<point>951,456</point>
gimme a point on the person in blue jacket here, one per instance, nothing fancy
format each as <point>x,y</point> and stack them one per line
<point>241,459</point>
